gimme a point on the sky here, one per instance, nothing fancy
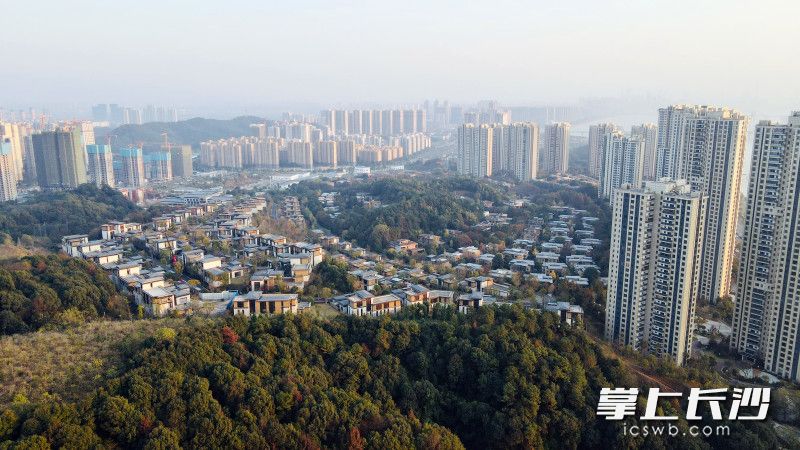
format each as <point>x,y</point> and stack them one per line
<point>242,55</point>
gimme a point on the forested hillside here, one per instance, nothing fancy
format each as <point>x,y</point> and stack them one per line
<point>50,215</point>
<point>499,378</point>
<point>55,290</point>
<point>408,208</point>
<point>190,132</point>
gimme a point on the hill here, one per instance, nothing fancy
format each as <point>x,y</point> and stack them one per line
<point>53,291</point>
<point>190,132</point>
<point>48,216</point>
<point>69,363</point>
<point>497,378</point>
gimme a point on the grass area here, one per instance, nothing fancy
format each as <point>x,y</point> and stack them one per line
<point>69,363</point>
<point>13,252</point>
<point>323,311</point>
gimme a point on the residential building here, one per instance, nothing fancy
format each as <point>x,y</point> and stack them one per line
<point>653,278</point>
<point>555,149</point>
<point>100,165</point>
<point>60,159</point>
<point>765,323</point>
<point>14,134</point>
<point>705,146</point>
<point>325,153</point>
<point>8,172</point>
<point>622,163</point>
<point>300,154</point>
<point>597,142</point>
<point>158,165</point>
<point>181,157</point>
<point>256,303</point>
<point>523,150</point>
<point>475,150</point>
<point>131,167</point>
<point>648,133</point>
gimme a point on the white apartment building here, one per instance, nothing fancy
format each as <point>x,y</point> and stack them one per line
<point>555,149</point>
<point>597,142</point>
<point>475,150</point>
<point>8,171</point>
<point>653,278</point>
<point>623,160</point>
<point>523,150</point>
<point>100,165</point>
<point>14,134</point>
<point>648,133</point>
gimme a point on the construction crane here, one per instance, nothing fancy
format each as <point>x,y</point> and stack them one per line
<point>166,140</point>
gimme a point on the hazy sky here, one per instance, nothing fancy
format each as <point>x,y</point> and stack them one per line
<point>237,54</point>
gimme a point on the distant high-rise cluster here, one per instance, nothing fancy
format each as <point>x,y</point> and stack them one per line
<point>64,155</point>
<point>765,321</point>
<point>654,268</point>
<point>485,149</point>
<point>58,150</point>
<point>488,116</point>
<point>241,152</point>
<point>441,114</point>
<point>272,149</point>
<point>603,160</point>
<point>388,122</point>
<point>122,115</point>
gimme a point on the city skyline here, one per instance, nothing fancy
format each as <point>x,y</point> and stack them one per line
<point>419,225</point>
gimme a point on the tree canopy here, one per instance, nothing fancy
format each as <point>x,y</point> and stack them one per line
<point>500,377</point>
<point>55,290</point>
<point>51,215</point>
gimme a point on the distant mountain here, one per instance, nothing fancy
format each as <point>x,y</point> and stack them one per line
<point>192,131</point>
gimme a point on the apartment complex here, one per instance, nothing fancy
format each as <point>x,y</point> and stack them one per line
<point>486,149</point>
<point>705,146</point>
<point>653,279</point>
<point>373,122</point>
<point>308,152</point>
